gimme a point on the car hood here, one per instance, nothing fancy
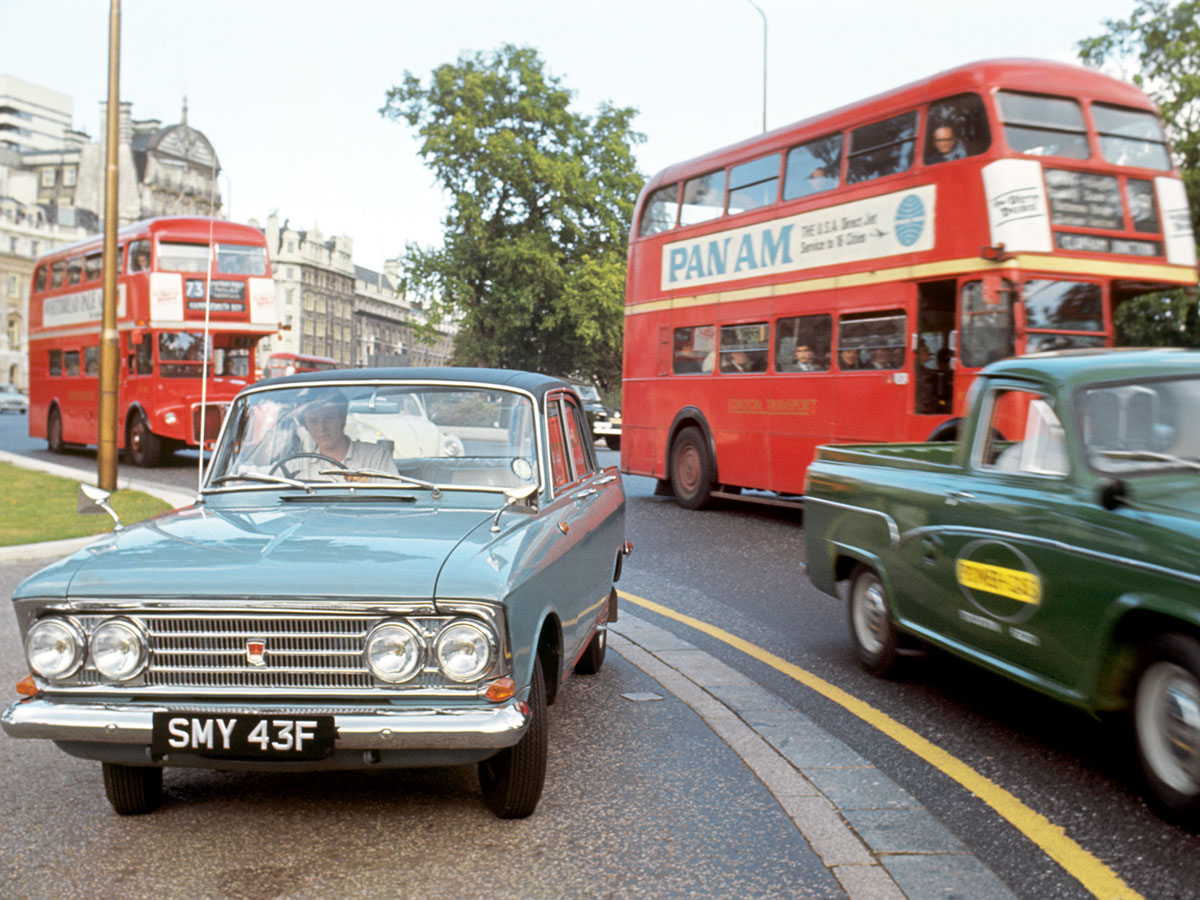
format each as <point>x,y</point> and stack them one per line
<point>348,550</point>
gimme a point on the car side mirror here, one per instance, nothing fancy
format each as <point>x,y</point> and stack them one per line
<point>92,501</point>
<point>513,496</point>
<point>1111,493</point>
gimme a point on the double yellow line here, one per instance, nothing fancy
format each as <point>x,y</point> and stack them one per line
<point>1050,838</point>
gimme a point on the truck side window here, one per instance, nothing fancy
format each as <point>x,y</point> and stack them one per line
<point>1021,433</point>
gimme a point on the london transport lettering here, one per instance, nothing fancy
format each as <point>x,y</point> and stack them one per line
<point>773,406</point>
<point>887,225</point>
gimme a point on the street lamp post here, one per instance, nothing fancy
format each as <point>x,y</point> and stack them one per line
<point>764,18</point>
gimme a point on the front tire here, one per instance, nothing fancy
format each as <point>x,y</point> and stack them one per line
<point>132,790</point>
<point>692,477</point>
<point>144,446</point>
<point>54,432</point>
<point>512,780</point>
<point>612,441</point>
<point>871,627</point>
<point>1167,725</point>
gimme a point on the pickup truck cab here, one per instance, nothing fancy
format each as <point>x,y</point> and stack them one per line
<point>1056,542</point>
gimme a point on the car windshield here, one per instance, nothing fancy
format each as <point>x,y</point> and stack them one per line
<point>396,435</point>
<point>1142,426</point>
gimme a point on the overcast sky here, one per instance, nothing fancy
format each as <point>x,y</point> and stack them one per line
<point>289,92</point>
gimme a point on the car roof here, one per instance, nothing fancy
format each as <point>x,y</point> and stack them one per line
<point>532,382</point>
<point>1070,368</point>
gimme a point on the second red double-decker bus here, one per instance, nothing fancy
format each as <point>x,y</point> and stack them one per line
<point>842,279</point>
<point>179,279</point>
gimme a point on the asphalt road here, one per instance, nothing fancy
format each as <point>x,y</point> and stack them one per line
<point>737,567</point>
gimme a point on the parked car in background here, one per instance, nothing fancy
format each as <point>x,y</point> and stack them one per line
<point>12,400</point>
<point>384,568</point>
<point>1056,543</point>
<point>605,422</point>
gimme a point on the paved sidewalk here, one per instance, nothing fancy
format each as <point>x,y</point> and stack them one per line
<point>872,835</point>
<point>56,549</point>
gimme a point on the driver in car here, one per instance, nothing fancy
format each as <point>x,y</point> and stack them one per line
<point>325,420</point>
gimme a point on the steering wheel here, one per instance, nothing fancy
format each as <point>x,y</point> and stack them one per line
<point>281,464</point>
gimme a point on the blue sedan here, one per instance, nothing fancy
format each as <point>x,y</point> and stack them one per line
<point>384,568</point>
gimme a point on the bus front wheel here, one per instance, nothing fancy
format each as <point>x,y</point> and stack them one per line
<point>144,446</point>
<point>691,469</point>
<point>54,439</point>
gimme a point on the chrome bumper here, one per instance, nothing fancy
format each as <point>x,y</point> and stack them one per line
<point>379,728</point>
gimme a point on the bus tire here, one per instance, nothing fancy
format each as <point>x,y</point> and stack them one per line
<point>691,469</point>
<point>54,438</point>
<point>144,446</point>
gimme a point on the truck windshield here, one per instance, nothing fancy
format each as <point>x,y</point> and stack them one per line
<point>1141,427</point>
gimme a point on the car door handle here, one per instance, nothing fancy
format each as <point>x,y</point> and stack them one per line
<point>953,497</point>
<point>586,493</point>
<point>607,479</point>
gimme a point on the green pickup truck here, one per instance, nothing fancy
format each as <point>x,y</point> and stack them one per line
<point>1056,542</point>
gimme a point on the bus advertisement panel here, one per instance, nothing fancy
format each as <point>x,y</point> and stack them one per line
<point>176,278</point>
<point>843,278</point>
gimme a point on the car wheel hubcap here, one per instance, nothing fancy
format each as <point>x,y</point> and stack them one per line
<point>870,616</point>
<point>1168,724</point>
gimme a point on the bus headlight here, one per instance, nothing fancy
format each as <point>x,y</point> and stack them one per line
<point>54,648</point>
<point>118,650</point>
<point>169,418</point>
<point>394,652</point>
<point>464,650</point>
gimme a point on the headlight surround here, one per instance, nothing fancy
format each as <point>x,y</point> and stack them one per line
<point>465,650</point>
<point>452,445</point>
<point>55,648</point>
<point>394,652</point>
<point>117,649</point>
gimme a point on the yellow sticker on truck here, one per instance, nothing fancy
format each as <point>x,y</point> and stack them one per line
<point>1016,584</point>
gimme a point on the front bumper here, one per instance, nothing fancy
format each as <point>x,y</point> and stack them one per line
<point>603,428</point>
<point>371,728</point>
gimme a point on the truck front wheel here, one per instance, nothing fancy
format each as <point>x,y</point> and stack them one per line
<point>871,626</point>
<point>1167,724</point>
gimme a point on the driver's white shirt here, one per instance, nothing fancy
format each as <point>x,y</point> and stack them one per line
<point>361,455</point>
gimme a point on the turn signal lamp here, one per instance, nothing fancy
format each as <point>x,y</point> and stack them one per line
<point>26,687</point>
<point>500,690</point>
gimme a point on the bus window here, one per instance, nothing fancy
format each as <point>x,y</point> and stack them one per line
<point>71,362</point>
<point>139,256</point>
<point>55,362</point>
<point>660,211</point>
<point>957,128</point>
<point>91,360</point>
<point>180,354</point>
<point>1063,305</point>
<point>744,347</point>
<point>58,274</point>
<point>753,184</point>
<point>39,279</point>
<point>873,340</point>
<point>179,257</point>
<point>693,347</point>
<point>1043,126</point>
<point>145,355</point>
<point>802,343</point>
<point>813,167</point>
<point>1131,137</point>
<point>882,148</point>
<point>75,270</point>
<point>987,323</point>
<point>703,198</point>
<point>93,266</point>
<point>1143,208</point>
<point>239,259</point>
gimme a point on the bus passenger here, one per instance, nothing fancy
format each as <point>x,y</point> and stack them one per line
<point>946,145</point>
<point>848,358</point>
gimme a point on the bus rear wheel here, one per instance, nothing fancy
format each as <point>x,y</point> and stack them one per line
<point>144,446</point>
<point>691,469</point>
<point>54,440</point>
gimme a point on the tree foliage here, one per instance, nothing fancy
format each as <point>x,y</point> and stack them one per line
<point>532,263</point>
<point>1158,48</point>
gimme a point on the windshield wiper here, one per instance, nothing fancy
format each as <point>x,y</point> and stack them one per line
<point>1149,456</point>
<point>391,476</point>
<point>265,479</point>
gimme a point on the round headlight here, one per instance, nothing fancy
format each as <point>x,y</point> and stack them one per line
<point>394,652</point>
<point>118,650</point>
<point>464,650</point>
<point>452,445</point>
<point>54,648</point>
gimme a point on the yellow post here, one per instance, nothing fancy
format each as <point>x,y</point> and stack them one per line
<point>110,346</point>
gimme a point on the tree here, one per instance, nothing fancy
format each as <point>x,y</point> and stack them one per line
<point>532,263</point>
<point>1162,40</point>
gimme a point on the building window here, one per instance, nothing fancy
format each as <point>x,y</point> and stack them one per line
<point>68,176</point>
<point>47,177</point>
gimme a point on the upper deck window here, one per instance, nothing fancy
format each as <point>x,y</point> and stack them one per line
<point>39,279</point>
<point>58,274</point>
<point>176,257</point>
<point>139,256</point>
<point>882,148</point>
<point>75,270</point>
<point>753,184</point>
<point>660,211</point>
<point>813,167</point>
<point>957,128</point>
<point>1043,126</point>
<point>1131,137</point>
<point>239,259</point>
<point>703,198</point>
<point>93,266</point>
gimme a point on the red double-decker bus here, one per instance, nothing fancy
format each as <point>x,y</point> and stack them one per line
<point>842,279</point>
<point>290,363</point>
<point>176,278</point>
